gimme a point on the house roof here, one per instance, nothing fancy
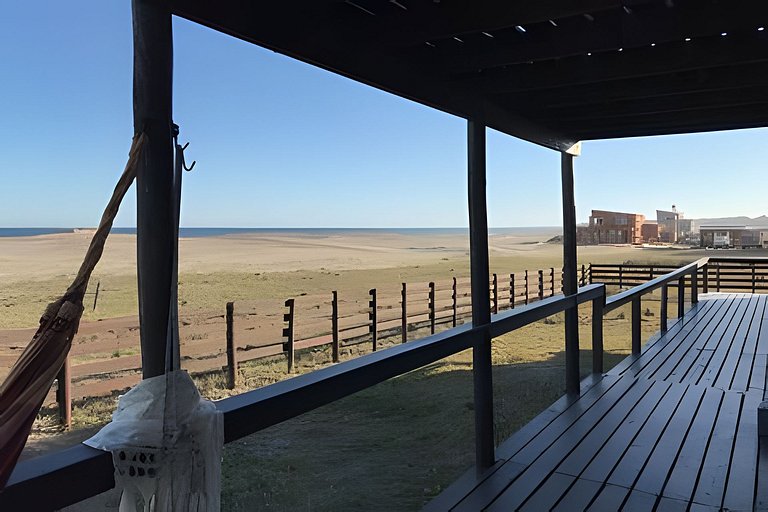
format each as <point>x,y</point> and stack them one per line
<point>550,71</point>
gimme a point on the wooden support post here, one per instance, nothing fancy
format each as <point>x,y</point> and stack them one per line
<point>695,287</point>
<point>64,394</point>
<point>590,273</point>
<point>597,334</point>
<point>455,296</point>
<point>481,315</point>
<point>718,276</point>
<point>636,333</point>
<point>583,275</point>
<point>335,326</point>
<point>621,277</point>
<point>512,291</point>
<point>288,334</point>
<point>552,281</point>
<point>754,281</point>
<point>373,313</point>
<point>664,307</point>
<point>705,280</point>
<point>541,284</point>
<point>432,307</point>
<point>650,273</point>
<point>96,295</point>
<point>404,313</point>
<point>570,284</point>
<point>681,297</point>
<point>231,349</point>
<point>526,287</point>
<point>495,293</point>
<point>155,241</point>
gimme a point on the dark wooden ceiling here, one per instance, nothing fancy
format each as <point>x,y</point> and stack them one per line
<point>550,71</point>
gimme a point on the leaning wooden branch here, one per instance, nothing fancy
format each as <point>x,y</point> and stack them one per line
<point>30,379</point>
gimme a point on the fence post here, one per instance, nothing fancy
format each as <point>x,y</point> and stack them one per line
<point>372,316</point>
<point>512,291</point>
<point>718,276</point>
<point>335,327</point>
<point>583,279</point>
<point>288,334</point>
<point>590,273</point>
<point>526,287</point>
<point>496,293</point>
<point>541,284</point>
<point>64,394</point>
<point>455,318</point>
<point>432,307</point>
<point>650,271</point>
<point>551,282</point>
<point>404,313</point>
<point>705,280</point>
<point>636,313</point>
<point>753,277</point>
<point>96,296</point>
<point>663,313</point>
<point>621,277</point>
<point>597,334</point>
<point>681,297</point>
<point>231,350</point>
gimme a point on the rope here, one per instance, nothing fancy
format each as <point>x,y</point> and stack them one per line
<point>96,248</point>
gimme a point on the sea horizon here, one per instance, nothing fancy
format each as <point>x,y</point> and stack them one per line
<point>198,232</point>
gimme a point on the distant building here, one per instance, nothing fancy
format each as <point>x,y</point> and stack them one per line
<point>668,227</point>
<point>740,237</point>
<point>607,227</point>
<point>650,231</point>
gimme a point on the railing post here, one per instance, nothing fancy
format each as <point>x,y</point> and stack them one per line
<point>231,350</point>
<point>288,334</point>
<point>663,313</point>
<point>455,296</point>
<point>335,327</point>
<point>404,313</point>
<point>512,291</point>
<point>705,280</point>
<point>597,334</point>
<point>526,287</point>
<point>681,297</point>
<point>372,316</point>
<point>636,312</point>
<point>432,307</point>
<point>551,282</point>
<point>495,293</point>
<point>695,286</point>
<point>541,284</point>
<point>64,394</point>
<point>570,282</point>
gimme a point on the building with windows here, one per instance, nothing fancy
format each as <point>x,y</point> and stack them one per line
<point>606,227</point>
<point>739,237</point>
<point>668,226</point>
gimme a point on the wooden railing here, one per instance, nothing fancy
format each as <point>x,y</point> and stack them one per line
<point>80,472</point>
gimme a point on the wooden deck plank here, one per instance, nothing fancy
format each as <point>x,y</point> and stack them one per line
<point>682,481</point>
<point>740,485</point>
<point>714,472</point>
<point>740,379</point>
<point>639,501</point>
<point>610,498</point>
<point>744,343</point>
<point>554,487</point>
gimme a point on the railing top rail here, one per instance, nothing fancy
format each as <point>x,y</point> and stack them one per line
<point>627,296</point>
<point>88,471</point>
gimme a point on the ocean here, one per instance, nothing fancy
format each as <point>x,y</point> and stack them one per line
<point>205,232</point>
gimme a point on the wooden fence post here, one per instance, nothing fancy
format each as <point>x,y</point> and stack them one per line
<point>621,277</point>
<point>754,282</point>
<point>335,326</point>
<point>372,316</point>
<point>231,350</point>
<point>432,307</point>
<point>404,313</point>
<point>590,273</point>
<point>718,276</point>
<point>650,273</point>
<point>496,293</point>
<point>512,291</point>
<point>64,394</point>
<point>526,287</point>
<point>288,334</point>
<point>96,295</point>
<point>551,282</point>
<point>541,284</point>
<point>583,275</point>
<point>455,318</point>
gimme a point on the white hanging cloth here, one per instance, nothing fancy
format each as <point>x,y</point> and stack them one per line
<point>166,459</point>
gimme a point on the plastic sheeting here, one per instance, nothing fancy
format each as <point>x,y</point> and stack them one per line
<point>166,447</point>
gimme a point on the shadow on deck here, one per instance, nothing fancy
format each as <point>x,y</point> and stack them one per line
<point>674,428</point>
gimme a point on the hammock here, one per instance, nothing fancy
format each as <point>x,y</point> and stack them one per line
<point>165,440</point>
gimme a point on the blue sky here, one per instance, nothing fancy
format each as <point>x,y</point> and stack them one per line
<point>282,144</point>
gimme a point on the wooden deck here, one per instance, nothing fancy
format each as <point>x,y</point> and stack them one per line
<point>674,428</point>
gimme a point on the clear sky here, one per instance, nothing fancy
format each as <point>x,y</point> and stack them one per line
<point>282,144</point>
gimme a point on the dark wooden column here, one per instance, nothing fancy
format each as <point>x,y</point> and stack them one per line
<point>570,285</point>
<point>481,308</point>
<point>152,93</point>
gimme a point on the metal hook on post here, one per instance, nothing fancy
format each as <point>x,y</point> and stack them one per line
<point>184,160</point>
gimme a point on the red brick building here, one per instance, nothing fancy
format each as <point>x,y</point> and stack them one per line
<point>650,232</point>
<point>611,228</point>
